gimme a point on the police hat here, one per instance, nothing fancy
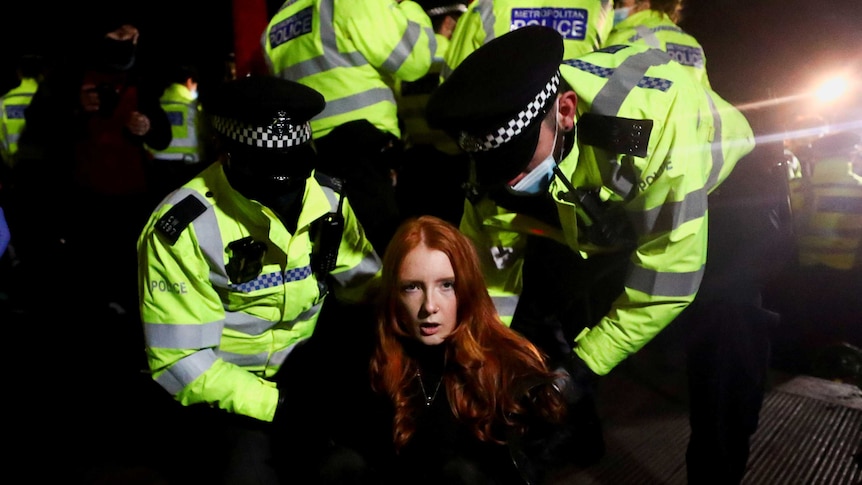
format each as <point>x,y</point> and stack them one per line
<point>265,121</point>
<point>494,102</point>
<point>435,8</point>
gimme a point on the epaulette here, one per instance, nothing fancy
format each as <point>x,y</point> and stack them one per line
<point>175,220</point>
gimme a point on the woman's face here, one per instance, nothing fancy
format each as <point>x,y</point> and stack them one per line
<point>426,295</point>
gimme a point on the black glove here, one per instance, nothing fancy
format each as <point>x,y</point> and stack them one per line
<point>576,379</point>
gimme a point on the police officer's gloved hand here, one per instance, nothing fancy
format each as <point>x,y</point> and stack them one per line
<point>576,379</point>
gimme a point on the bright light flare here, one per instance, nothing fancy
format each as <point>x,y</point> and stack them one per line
<point>832,89</point>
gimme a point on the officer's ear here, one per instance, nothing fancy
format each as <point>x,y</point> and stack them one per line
<point>568,108</point>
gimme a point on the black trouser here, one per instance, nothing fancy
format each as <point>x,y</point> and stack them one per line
<point>727,358</point>
<point>363,157</point>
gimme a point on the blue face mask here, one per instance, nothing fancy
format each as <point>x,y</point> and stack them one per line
<point>621,14</point>
<point>539,179</point>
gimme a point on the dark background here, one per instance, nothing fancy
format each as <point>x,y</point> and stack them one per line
<point>756,51</point>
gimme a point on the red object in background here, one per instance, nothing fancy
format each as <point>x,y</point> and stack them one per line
<point>250,18</point>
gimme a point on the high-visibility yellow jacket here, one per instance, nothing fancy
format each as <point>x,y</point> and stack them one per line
<point>349,51</point>
<point>695,142</point>
<point>12,107</point>
<point>412,98</point>
<point>655,29</point>
<point>212,340</point>
<point>827,215</point>
<point>583,24</point>
<point>183,112</point>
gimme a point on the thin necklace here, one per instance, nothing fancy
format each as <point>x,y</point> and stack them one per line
<point>428,400</point>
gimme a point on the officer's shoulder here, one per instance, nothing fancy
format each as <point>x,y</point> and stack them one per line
<point>328,181</point>
<point>177,218</point>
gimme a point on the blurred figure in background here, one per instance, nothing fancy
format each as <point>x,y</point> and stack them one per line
<point>823,334</point>
<point>583,24</point>
<point>351,52</point>
<point>14,103</point>
<point>82,162</point>
<point>655,23</point>
<point>181,160</point>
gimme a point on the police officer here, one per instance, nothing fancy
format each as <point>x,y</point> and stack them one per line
<point>350,52</point>
<point>14,103</point>
<point>604,153</point>
<point>655,23</point>
<point>821,294</point>
<point>180,160</point>
<point>583,24</point>
<point>234,268</point>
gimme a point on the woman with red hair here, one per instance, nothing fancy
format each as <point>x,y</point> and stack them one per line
<point>472,400</point>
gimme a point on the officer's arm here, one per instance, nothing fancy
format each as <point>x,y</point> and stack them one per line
<point>183,321</point>
<point>396,38</point>
<point>468,35</point>
<point>358,267</point>
<point>666,268</point>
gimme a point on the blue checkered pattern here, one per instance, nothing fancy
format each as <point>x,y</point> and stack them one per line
<point>646,82</point>
<point>280,134</point>
<point>273,279</point>
<point>513,127</point>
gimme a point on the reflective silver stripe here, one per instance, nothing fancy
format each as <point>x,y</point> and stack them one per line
<point>247,324</point>
<point>186,370</point>
<point>368,267</point>
<point>624,78</point>
<point>243,360</point>
<point>183,336</point>
<point>609,100</point>
<point>716,146</point>
<point>657,283</point>
<point>170,156</point>
<point>279,357</point>
<point>208,237</point>
<point>332,196</point>
<point>305,316</point>
<point>329,60</point>
<point>251,325</point>
<point>506,304</point>
<point>405,46</point>
<point>436,57</point>
<point>356,101</point>
<point>13,137</point>
<point>670,215</point>
<point>488,20</point>
<point>648,36</point>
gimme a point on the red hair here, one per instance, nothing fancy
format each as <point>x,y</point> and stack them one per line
<point>488,364</point>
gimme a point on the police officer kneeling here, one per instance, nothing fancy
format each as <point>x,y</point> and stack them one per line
<point>234,268</point>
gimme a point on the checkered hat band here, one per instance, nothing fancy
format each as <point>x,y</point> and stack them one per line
<point>263,136</point>
<point>514,126</point>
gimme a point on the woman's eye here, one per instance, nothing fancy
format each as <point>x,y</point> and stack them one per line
<point>449,285</point>
<point>409,287</point>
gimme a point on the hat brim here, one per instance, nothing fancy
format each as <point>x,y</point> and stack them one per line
<point>502,164</point>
